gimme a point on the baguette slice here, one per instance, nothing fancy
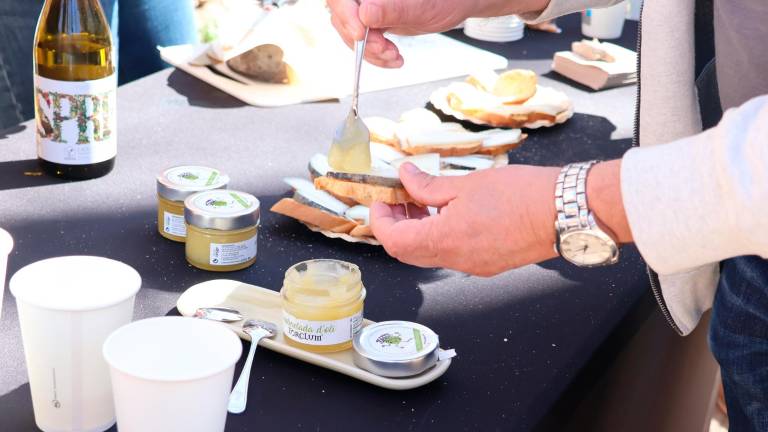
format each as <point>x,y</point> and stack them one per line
<point>313,216</point>
<point>365,194</point>
<point>444,143</point>
<point>361,231</point>
<point>263,63</point>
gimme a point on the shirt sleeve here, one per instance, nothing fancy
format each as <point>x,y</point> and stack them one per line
<point>704,198</point>
<point>557,8</point>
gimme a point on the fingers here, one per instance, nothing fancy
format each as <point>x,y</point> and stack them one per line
<point>389,13</point>
<point>409,240</point>
<point>380,51</point>
<point>427,189</point>
<point>345,18</point>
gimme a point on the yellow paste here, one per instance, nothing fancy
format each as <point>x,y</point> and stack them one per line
<point>322,305</point>
<point>222,230</point>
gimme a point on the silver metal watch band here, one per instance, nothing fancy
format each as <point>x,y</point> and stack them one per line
<point>571,197</point>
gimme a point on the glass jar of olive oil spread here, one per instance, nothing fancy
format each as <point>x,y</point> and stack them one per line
<point>222,229</point>
<point>174,185</point>
<point>322,305</point>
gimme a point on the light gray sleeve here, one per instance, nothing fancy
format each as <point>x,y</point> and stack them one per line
<point>704,198</point>
<point>557,8</point>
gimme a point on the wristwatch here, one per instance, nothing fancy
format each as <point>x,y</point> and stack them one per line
<point>581,239</point>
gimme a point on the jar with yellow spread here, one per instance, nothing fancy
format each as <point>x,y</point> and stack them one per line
<point>174,185</point>
<point>322,305</point>
<point>222,229</point>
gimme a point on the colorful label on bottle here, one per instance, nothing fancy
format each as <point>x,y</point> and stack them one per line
<point>322,332</point>
<point>224,254</point>
<point>76,121</point>
<point>223,202</point>
<point>174,224</point>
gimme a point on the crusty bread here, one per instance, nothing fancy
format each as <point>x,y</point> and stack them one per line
<point>263,63</point>
<point>361,231</point>
<point>382,130</point>
<point>365,194</point>
<point>496,119</point>
<point>501,149</point>
<point>314,216</point>
<point>447,150</point>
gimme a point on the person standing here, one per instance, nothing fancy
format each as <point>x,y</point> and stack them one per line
<point>693,202</point>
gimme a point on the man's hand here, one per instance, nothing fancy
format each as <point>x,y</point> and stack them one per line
<point>410,17</point>
<point>488,222</point>
<point>491,220</point>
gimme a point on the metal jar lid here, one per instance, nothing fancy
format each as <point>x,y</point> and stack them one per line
<point>224,210</point>
<point>396,348</point>
<point>177,183</point>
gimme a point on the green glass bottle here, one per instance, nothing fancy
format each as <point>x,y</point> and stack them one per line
<point>75,90</point>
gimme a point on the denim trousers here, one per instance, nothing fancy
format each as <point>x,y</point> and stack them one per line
<point>738,338</point>
<point>138,27</point>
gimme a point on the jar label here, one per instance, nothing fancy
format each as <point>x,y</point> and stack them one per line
<point>173,224</point>
<point>194,176</point>
<point>76,121</point>
<point>223,254</point>
<point>322,332</point>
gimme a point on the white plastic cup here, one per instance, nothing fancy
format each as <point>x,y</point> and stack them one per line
<point>633,13</point>
<point>67,308</point>
<point>604,23</point>
<point>6,246</point>
<point>172,374</point>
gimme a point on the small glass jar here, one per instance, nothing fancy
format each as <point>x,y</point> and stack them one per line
<point>222,229</point>
<point>322,305</point>
<point>174,185</point>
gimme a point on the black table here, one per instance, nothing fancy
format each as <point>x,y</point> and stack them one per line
<point>522,336</point>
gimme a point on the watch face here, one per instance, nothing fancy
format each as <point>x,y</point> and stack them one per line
<point>587,249</point>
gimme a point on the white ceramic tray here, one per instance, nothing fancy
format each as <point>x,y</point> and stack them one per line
<point>264,304</point>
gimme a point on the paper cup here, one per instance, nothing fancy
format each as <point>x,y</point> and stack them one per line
<point>67,308</point>
<point>6,246</point>
<point>605,23</point>
<point>633,13</point>
<point>172,374</point>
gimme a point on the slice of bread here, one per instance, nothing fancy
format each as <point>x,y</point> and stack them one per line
<point>361,231</point>
<point>314,216</point>
<point>362,193</point>
<point>263,63</point>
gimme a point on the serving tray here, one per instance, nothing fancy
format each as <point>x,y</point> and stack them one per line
<point>264,304</point>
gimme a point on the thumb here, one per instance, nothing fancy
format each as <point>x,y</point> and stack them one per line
<point>388,13</point>
<point>427,189</point>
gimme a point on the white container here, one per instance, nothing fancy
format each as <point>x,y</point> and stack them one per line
<point>507,28</point>
<point>6,246</point>
<point>633,12</point>
<point>604,23</point>
<point>172,374</point>
<point>67,308</point>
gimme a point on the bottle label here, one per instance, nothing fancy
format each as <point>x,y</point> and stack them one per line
<point>322,332</point>
<point>173,224</point>
<point>223,254</point>
<point>76,120</point>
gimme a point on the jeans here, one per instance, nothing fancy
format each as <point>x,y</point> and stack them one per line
<point>138,26</point>
<point>738,338</point>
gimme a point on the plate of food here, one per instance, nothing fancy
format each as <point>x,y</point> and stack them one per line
<point>336,203</point>
<point>511,99</point>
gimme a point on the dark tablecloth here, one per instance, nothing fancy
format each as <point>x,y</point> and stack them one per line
<point>521,336</point>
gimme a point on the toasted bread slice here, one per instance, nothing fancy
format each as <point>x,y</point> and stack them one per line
<point>445,143</point>
<point>504,148</point>
<point>314,216</point>
<point>365,194</point>
<point>362,231</point>
<point>382,130</point>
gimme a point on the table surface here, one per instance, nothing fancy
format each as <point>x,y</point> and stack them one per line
<point>521,336</point>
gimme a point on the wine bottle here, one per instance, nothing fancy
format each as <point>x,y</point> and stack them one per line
<point>75,90</point>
